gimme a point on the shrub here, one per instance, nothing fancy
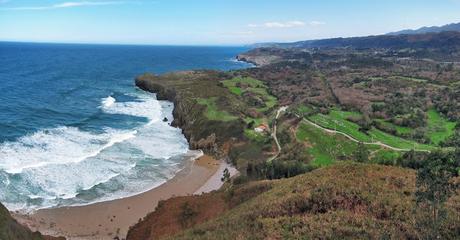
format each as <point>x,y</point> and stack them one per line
<point>186,215</point>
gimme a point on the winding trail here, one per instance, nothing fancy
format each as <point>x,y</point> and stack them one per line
<point>278,113</point>
<point>355,140</point>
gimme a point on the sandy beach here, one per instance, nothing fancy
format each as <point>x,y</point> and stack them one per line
<point>107,220</point>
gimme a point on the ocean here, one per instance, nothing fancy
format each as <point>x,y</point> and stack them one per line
<point>75,130</point>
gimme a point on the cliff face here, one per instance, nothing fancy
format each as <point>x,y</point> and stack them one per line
<point>258,59</point>
<point>184,89</point>
<point>10,229</point>
<point>270,56</point>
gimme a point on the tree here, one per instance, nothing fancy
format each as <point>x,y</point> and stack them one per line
<point>434,187</point>
<point>225,176</point>
<point>361,154</point>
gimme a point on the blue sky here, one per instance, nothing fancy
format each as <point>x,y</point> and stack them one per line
<point>213,22</point>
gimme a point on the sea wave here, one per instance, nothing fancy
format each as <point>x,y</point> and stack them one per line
<point>56,146</point>
<point>146,106</point>
<point>108,101</point>
<point>70,166</point>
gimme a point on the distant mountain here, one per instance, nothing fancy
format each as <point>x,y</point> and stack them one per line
<point>444,40</point>
<point>435,29</point>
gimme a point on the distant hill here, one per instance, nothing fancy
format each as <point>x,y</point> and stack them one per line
<point>442,40</point>
<point>435,29</point>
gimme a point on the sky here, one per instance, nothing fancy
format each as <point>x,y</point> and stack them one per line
<point>213,22</point>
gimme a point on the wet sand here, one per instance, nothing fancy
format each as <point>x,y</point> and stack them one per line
<point>107,220</point>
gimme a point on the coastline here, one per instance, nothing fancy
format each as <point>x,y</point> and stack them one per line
<point>110,219</point>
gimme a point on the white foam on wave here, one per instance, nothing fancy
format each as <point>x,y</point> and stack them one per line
<point>234,60</point>
<point>146,106</point>
<point>55,165</point>
<point>57,146</point>
<point>64,181</point>
<point>108,101</point>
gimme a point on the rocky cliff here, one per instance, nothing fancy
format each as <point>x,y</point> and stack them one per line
<point>184,89</point>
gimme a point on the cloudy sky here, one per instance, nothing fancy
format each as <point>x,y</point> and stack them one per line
<point>213,22</point>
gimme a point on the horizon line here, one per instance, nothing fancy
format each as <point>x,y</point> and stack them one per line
<point>127,44</point>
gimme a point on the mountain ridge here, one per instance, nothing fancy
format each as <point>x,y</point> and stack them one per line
<point>433,29</point>
<point>399,39</point>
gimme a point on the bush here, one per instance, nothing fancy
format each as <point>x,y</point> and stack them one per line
<point>186,215</point>
<point>412,159</point>
<point>385,127</point>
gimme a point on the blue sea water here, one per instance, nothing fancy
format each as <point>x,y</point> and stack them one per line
<point>75,130</point>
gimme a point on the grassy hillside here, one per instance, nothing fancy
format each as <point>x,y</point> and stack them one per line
<point>439,128</point>
<point>354,201</point>
<point>337,120</point>
<point>326,149</point>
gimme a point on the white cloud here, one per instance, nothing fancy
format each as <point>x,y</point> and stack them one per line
<point>67,5</point>
<point>316,23</point>
<point>288,24</point>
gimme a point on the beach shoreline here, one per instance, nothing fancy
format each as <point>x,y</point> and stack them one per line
<point>110,219</point>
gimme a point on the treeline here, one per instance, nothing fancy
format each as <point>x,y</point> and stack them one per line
<point>277,169</point>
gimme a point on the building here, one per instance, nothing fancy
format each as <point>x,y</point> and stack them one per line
<point>261,128</point>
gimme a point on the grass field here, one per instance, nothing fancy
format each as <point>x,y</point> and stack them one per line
<point>255,136</point>
<point>385,156</point>
<point>239,85</point>
<point>325,149</point>
<point>397,142</point>
<point>337,120</point>
<point>399,129</point>
<point>439,128</point>
<point>212,112</point>
<point>257,121</point>
<point>398,78</point>
<point>303,110</point>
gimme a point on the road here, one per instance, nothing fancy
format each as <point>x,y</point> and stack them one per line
<point>275,123</point>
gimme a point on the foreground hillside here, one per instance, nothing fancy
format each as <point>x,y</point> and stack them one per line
<point>10,229</point>
<point>354,201</point>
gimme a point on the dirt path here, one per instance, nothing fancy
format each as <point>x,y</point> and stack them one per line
<point>278,113</point>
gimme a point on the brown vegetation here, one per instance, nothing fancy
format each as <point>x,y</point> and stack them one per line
<point>353,201</point>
